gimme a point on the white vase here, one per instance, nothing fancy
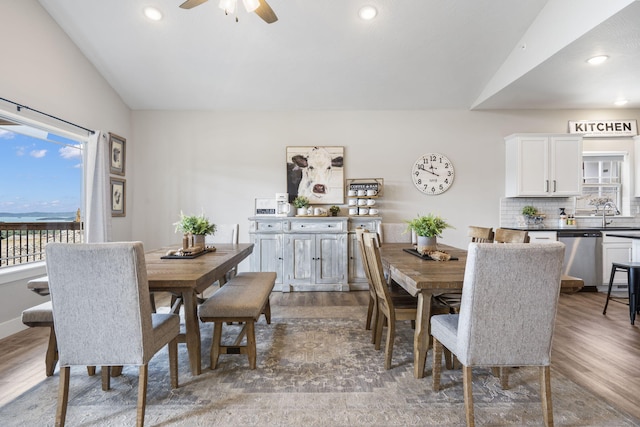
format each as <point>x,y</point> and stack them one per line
<point>426,244</point>
<point>301,211</point>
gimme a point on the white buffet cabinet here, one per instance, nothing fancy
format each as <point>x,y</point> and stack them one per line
<point>310,253</point>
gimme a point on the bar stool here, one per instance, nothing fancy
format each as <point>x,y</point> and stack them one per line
<point>633,280</point>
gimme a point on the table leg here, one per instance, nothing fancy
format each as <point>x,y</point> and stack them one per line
<point>421,336</point>
<point>192,327</point>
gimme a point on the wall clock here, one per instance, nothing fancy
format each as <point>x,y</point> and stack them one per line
<point>432,173</point>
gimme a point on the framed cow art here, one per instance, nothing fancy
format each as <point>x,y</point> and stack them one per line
<point>316,173</point>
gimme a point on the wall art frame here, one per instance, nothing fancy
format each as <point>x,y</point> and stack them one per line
<point>117,154</point>
<point>118,196</point>
<point>316,173</point>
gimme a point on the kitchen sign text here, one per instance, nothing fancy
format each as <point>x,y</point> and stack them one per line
<point>604,128</point>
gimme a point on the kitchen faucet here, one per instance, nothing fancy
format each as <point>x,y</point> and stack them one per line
<point>604,212</point>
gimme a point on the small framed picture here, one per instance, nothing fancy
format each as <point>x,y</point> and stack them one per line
<point>118,196</point>
<point>117,153</point>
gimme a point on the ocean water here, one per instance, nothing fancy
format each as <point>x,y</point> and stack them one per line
<point>37,217</point>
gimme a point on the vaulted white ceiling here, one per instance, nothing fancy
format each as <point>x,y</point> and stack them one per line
<point>416,54</point>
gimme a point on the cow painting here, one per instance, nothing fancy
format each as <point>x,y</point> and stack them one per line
<point>316,173</point>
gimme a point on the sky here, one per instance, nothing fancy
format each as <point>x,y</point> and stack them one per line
<point>39,173</point>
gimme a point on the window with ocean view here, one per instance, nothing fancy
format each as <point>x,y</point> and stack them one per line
<point>40,192</point>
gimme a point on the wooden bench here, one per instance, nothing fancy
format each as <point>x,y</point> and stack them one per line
<point>42,316</point>
<point>242,299</point>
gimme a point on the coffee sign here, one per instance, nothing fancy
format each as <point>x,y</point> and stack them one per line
<point>603,128</point>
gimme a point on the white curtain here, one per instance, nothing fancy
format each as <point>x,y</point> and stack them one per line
<point>97,219</point>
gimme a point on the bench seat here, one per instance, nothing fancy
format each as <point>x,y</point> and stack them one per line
<point>242,299</point>
<point>42,316</point>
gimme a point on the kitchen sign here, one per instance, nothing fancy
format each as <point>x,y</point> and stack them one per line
<point>603,128</point>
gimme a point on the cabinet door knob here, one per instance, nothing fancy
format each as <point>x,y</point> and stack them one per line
<point>554,186</point>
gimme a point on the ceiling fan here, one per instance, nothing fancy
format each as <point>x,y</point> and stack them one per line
<point>260,7</point>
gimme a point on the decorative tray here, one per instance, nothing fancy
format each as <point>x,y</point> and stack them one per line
<point>414,252</point>
<point>175,256</point>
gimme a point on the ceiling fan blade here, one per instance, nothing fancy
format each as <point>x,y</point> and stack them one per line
<point>191,3</point>
<point>265,12</point>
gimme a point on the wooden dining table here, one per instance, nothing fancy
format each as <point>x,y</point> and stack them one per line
<point>186,278</point>
<point>423,278</point>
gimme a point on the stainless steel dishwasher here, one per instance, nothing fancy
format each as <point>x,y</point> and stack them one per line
<point>583,256</point>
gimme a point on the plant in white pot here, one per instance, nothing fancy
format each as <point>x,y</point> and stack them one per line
<point>196,227</point>
<point>301,203</point>
<point>427,229</point>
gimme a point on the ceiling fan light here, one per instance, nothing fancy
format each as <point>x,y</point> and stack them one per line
<point>251,5</point>
<point>229,6</point>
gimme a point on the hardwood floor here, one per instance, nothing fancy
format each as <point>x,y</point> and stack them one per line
<point>600,353</point>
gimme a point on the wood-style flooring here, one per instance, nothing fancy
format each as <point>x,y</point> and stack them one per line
<point>601,353</point>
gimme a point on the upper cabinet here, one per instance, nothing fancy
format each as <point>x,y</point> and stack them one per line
<point>543,165</point>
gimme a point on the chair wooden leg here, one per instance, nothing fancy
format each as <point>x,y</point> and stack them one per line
<point>251,344</point>
<point>374,322</point>
<point>448,358</point>
<point>106,378</point>
<point>504,377</point>
<point>368,325</point>
<point>91,370</point>
<point>388,352</point>
<point>215,344</point>
<point>379,325</point>
<point>545,394</point>
<point>51,358</point>
<point>437,364</point>
<point>468,395</point>
<point>173,362</point>
<point>63,396</point>
<point>142,394</point>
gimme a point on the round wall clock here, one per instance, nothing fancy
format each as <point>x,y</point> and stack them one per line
<point>432,173</point>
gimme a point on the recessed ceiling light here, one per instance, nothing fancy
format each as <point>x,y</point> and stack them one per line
<point>367,12</point>
<point>621,102</point>
<point>152,13</point>
<point>597,60</point>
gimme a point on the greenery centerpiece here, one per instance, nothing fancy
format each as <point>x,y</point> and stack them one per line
<point>196,226</point>
<point>301,203</point>
<point>427,228</point>
<point>334,210</point>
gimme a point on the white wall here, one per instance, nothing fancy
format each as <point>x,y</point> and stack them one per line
<point>220,161</point>
<point>43,69</point>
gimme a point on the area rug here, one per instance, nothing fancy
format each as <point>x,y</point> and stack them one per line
<point>315,367</point>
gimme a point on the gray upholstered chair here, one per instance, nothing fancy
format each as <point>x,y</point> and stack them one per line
<point>509,302</point>
<point>102,314</point>
<point>395,232</point>
<point>225,233</point>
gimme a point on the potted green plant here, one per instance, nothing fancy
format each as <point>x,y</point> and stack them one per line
<point>427,228</point>
<point>301,203</point>
<point>197,226</point>
<point>334,210</point>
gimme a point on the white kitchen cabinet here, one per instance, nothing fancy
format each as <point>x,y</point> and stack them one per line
<point>614,249</point>
<point>543,165</point>
<point>542,236</point>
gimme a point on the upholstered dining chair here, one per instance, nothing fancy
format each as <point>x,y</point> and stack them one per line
<point>392,232</point>
<point>507,315</point>
<point>504,235</point>
<point>225,233</point>
<point>102,314</point>
<point>478,235</point>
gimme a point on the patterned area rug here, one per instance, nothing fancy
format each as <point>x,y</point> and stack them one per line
<point>316,367</point>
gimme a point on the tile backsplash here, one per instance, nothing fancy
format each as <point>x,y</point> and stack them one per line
<point>511,212</point>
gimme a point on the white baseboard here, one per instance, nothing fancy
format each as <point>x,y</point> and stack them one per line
<point>11,327</point>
